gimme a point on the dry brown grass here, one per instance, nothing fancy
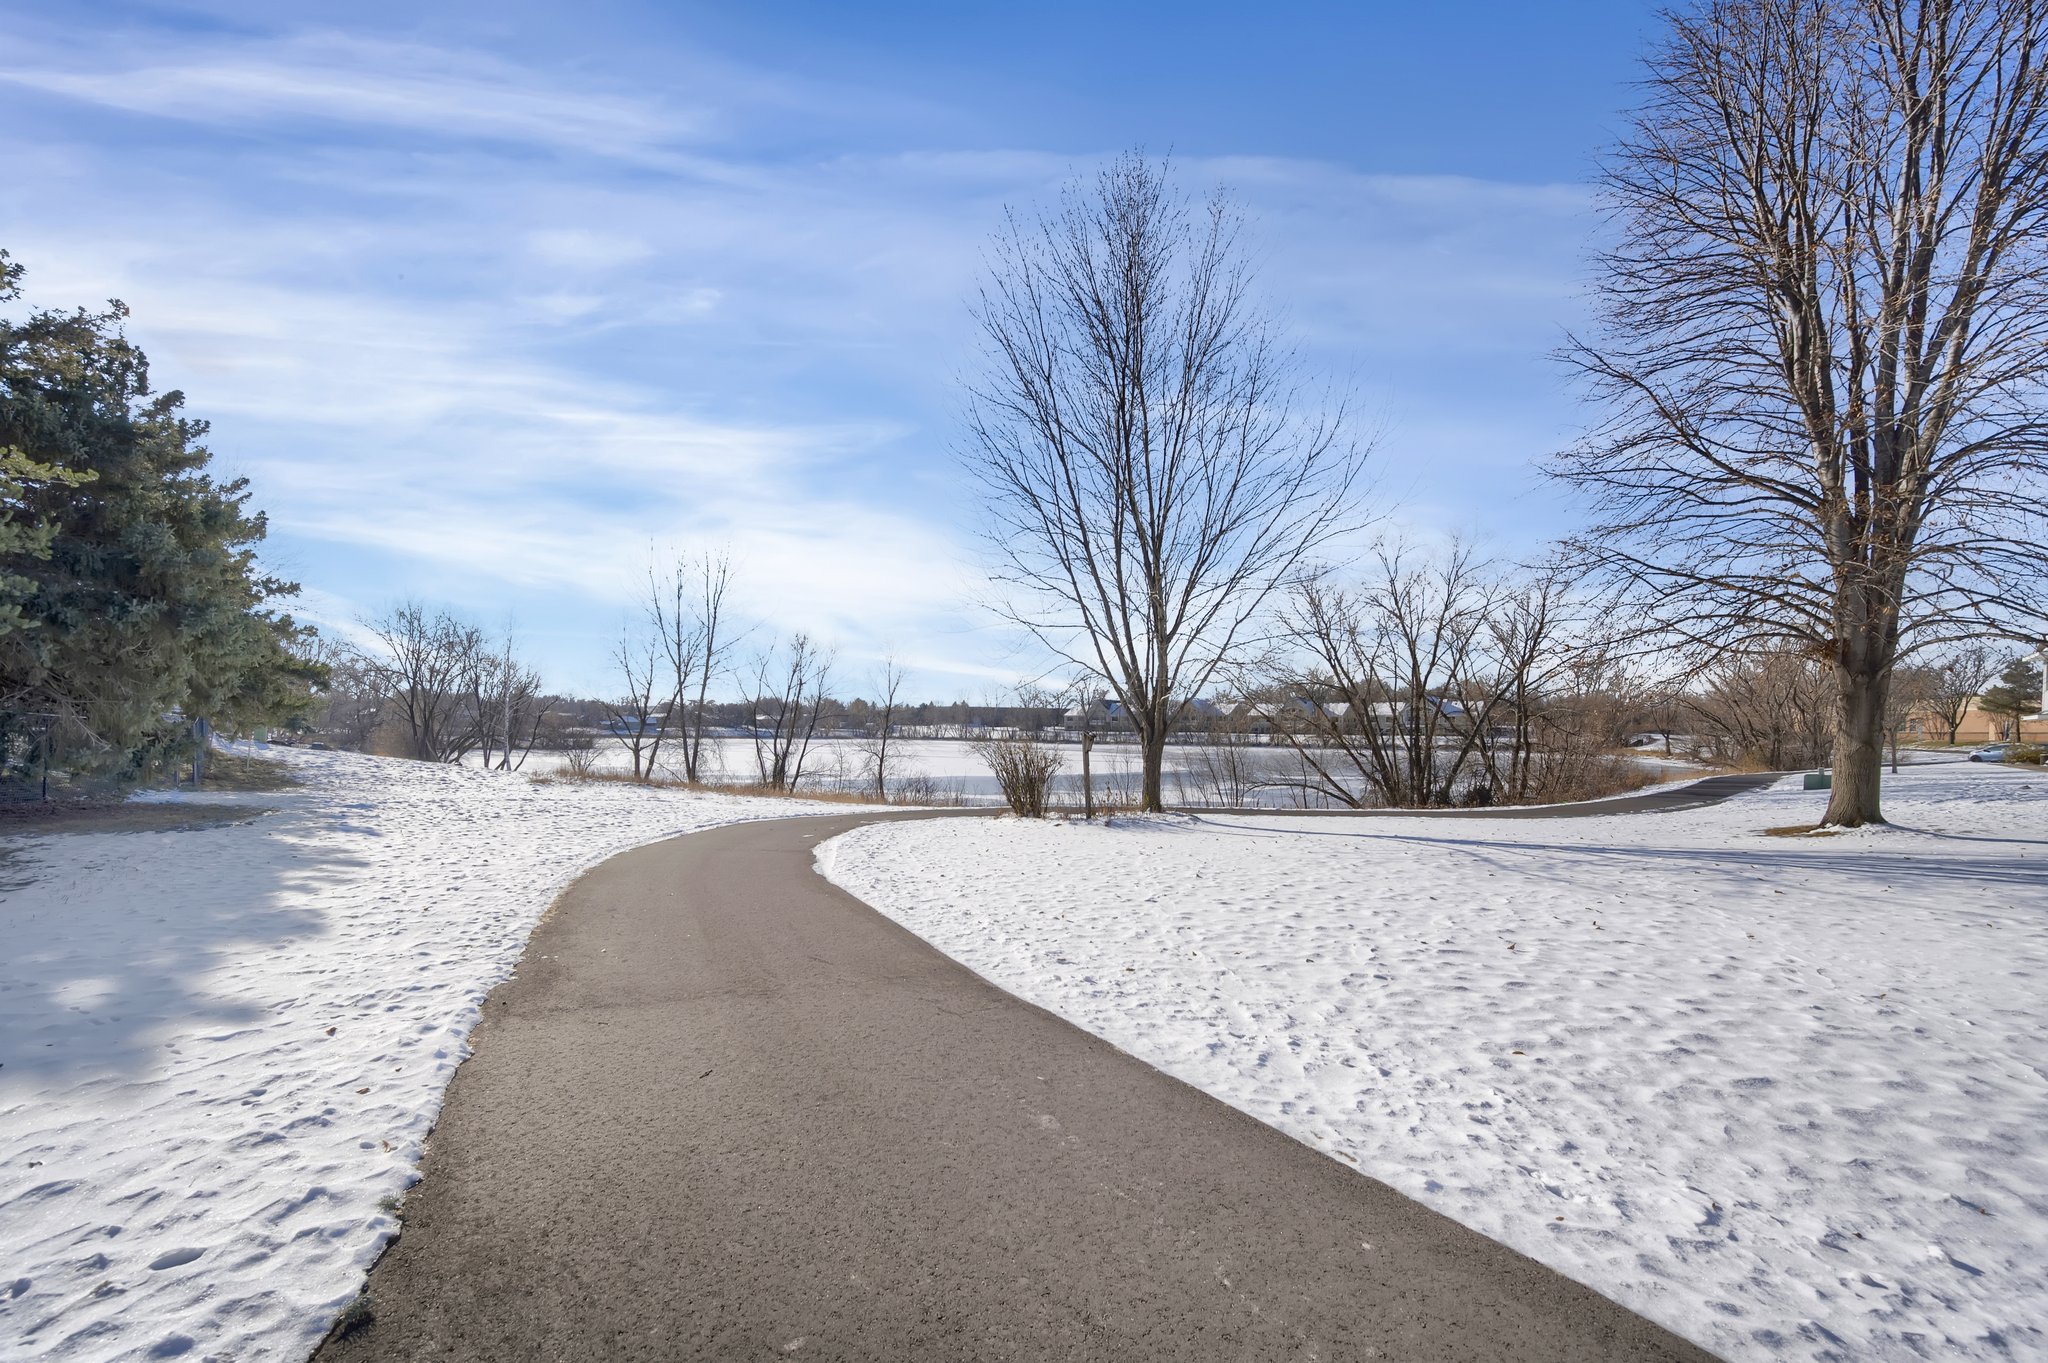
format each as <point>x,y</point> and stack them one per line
<point>230,771</point>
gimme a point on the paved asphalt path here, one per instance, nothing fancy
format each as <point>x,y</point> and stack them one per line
<point>726,1111</point>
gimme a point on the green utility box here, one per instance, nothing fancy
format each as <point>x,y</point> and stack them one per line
<point>1820,780</point>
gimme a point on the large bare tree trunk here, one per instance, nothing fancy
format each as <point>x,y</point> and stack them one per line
<point>1868,646</point>
<point>1826,339</point>
<point>1152,755</point>
<point>1853,797</point>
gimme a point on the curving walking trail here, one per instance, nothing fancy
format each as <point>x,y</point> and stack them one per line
<point>726,1111</point>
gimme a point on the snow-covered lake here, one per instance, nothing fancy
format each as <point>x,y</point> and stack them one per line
<point>1786,1096</point>
<point>952,771</point>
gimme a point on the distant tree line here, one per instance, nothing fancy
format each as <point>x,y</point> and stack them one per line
<point>424,682</point>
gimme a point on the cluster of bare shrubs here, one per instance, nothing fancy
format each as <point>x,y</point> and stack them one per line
<point>437,688</point>
<point>1024,766</point>
<point>1436,679</point>
<point>1773,711</point>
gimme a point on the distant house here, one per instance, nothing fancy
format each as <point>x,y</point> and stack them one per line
<point>1260,718</point>
<point>1297,713</point>
<point>1104,714</point>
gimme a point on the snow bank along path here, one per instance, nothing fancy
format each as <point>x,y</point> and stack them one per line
<point>1786,1097</point>
<point>221,1049</point>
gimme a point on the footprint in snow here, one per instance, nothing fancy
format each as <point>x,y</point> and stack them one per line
<point>175,1258</point>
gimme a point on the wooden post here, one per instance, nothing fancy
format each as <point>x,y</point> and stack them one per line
<point>1087,777</point>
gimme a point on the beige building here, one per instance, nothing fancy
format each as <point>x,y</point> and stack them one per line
<point>1978,727</point>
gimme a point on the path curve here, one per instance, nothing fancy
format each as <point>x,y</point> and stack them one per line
<point>727,1111</point>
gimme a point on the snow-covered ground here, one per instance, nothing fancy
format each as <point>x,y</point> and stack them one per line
<point>221,1049</point>
<point>1788,1097</point>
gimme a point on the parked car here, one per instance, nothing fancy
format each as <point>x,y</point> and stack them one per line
<point>1994,752</point>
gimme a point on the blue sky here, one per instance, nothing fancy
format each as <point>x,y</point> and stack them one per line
<point>492,303</point>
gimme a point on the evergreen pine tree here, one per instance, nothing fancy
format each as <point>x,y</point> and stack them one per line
<point>2015,695</point>
<point>130,596</point>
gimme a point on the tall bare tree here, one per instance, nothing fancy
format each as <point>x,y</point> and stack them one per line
<point>1432,678</point>
<point>1958,679</point>
<point>1907,700</point>
<point>711,576</point>
<point>1152,470</point>
<point>679,639</point>
<point>353,700</point>
<point>1548,704</point>
<point>1826,329</point>
<point>641,713</point>
<point>789,697</point>
<point>1771,708</point>
<point>1381,700</point>
<point>423,664</point>
<point>507,708</point>
<point>881,723</point>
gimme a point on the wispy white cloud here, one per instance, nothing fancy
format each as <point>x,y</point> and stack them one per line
<point>469,372</point>
<point>341,78</point>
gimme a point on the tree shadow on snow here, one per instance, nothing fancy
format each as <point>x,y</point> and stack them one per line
<point>125,950</point>
<point>1859,860</point>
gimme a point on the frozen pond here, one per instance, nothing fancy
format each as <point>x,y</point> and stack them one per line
<point>943,770</point>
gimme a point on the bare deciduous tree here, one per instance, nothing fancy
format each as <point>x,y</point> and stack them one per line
<point>423,666</point>
<point>1958,679</point>
<point>353,699</point>
<point>789,695</point>
<point>1908,697</point>
<point>1375,697</point>
<point>1826,329</point>
<point>507,708</point>
<point>640,714</point>
<point>688,616</point>
<point>714,577</point>
<point>881,722</point>
<point>1774,709</point>
<point>1550,705</point>
<point>1152,471</point>
<point>1439,678</point>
